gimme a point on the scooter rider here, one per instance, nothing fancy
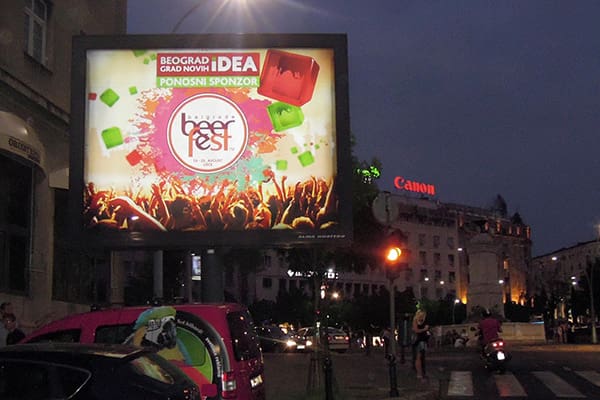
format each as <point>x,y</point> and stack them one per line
<point>489,327</point>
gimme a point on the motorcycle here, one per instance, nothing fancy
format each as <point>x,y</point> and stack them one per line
<point>495,356</point>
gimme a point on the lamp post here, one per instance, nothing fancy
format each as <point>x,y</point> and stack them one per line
<point>456,301</point>
<point>590,279</point>
<point>392,258</point>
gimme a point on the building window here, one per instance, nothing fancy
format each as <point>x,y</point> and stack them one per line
<point>438,275</point>
<point>267,261</point>
<point>439,293</point>
<point>423,257</point>
<point>422,239</point>
<point>36,18</point>
<point>436,241</point>
<point>437,259</point>
<point>451,260</point>
<point>424,292</point>
<point>15,224</point>
<point>451,277</point>
<point>267,283</point>
<point>450,242</point>
<point>423,274</point>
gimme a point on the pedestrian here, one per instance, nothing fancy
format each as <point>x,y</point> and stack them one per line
<point>386,335</point>
<point>5,308</point>
<point>437,335</point>
<point>14,334</point>
<point>421,330</point>
<point>368,342</point>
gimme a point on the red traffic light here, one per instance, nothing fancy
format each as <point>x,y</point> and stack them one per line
<point>393,254</point>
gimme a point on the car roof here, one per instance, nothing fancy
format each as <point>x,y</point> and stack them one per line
<point>45,350</point>
<point>213,313</point>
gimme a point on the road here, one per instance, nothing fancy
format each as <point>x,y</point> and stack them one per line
<point>543,372</point>
<point>535,372</point>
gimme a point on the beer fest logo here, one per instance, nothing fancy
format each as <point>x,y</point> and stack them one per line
<point>207,133</point>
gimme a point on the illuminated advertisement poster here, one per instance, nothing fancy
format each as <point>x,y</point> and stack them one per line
<point>212,144</point>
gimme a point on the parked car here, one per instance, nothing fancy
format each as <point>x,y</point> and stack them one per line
<point>215,344</point>
<point>337,339</point>
<point>78,371</point>
<point>274,339</point>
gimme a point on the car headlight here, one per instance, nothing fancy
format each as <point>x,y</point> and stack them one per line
<point>309,343</point>
<point>290,343</point>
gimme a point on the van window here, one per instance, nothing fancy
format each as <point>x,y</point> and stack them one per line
<point>65,336</point>
<point>243,334</point>
<point>113,333</point>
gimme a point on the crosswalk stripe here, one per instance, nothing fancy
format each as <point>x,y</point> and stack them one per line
<point>461,384</point>
<point>591,376</point>
<point>557,385</point>
<point>509,386</point>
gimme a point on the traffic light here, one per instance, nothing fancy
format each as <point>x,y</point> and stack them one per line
<point>392,254</point>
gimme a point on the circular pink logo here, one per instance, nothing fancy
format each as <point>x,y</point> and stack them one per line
<point>207,133</point>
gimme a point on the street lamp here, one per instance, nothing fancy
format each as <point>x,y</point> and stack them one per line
<point>392,264</point>
<point>194,8</point>
<point>456,301</point>
<point>590,279</point>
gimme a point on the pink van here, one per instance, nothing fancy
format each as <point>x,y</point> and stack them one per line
<point>215,344</point>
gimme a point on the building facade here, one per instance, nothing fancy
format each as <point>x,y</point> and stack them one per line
<point>437,255</point>
<point>35,76</point>
<point>557,272</point>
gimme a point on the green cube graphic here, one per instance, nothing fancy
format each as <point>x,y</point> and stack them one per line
<point>294,150</point>
<point>281,165</point>
<point>139,53</point>
<point>112,137</point>
<point>132,90</point>
<point>109,97</point>
<point>285,116</point>
<point>306,158</point>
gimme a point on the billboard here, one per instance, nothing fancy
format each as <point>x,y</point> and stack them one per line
<point>182,141</point>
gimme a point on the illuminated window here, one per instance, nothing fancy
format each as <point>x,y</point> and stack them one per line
<point>36,18</point>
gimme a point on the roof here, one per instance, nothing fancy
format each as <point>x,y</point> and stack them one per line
<point>44,349</point>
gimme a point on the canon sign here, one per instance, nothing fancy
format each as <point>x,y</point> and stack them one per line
<point>412,186</point>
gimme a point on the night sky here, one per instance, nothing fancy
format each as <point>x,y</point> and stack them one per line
<point>476,97</point>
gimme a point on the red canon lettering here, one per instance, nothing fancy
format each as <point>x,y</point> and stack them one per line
<point>412,186</point>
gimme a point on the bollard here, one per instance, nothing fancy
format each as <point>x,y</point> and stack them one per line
<point>328,378</point>
<point>393,381</point>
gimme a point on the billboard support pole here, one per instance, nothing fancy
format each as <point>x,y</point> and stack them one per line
<point>212,277</point>
<point>157,275</point>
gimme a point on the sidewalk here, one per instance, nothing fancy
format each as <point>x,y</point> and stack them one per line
<point>355,376</point>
